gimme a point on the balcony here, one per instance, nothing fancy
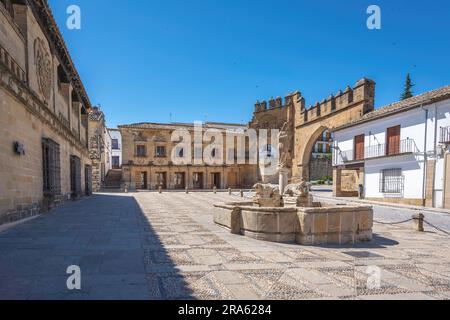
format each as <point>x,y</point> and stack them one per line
<point>407,146</point>
<point>444,136</point>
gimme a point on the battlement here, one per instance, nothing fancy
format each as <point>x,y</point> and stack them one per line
<point>363,92</point>
<point>277,103</point>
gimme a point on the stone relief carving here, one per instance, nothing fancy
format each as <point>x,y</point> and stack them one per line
<point>44,71</point>
<point>139,136</point>
<point>267,195</point>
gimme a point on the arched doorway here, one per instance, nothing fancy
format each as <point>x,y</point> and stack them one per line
<point>320,163</point>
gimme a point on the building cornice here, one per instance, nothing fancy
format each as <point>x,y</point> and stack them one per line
<point>45,18</point>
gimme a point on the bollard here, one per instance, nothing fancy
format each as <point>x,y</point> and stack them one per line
<point>160,189</point>
<point>418,222</point>
<point>229,191</point>
<point>242,193</point>
<point>215,190</point>
<point>187,190</point>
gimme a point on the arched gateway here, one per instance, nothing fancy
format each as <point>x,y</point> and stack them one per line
<point>309,124</point>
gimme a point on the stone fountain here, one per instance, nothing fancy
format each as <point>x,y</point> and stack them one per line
<point>287,213</point>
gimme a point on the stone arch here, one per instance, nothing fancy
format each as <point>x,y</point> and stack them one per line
<point>306,148</point>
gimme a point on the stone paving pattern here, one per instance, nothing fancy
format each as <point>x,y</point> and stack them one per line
<point>165,246</point>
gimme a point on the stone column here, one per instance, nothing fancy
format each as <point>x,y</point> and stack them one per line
<point>337,175</point>
<point>284,179</point>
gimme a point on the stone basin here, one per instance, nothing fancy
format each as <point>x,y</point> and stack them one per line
<point>323,224</point>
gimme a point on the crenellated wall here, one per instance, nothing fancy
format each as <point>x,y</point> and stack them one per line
<point>343,107</point>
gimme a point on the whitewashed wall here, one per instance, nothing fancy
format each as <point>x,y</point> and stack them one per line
<point>115,134</point>
<point>412,127</point>
<point>438,117</point>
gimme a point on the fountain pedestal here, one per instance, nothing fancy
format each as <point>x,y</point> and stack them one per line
<point>283,179</point>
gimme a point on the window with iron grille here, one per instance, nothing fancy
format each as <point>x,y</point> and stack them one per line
<point>51,167</point>
<point>160,152</point>
<point>141,151</point>
<point>115,144</point>
<point>392,181</point>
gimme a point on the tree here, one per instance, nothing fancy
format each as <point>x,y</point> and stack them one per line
<point>407,92</point>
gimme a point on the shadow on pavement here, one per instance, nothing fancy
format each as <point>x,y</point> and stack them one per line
<point>107,236</point>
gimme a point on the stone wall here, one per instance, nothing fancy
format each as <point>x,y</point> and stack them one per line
<point>320,168</point>
<point>35,103</point>
<point>336,110</point>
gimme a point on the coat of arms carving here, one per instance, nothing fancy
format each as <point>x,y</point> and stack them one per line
<point>43,65</point>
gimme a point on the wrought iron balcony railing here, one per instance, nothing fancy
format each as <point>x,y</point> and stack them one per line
<point>445,135</point>
<point>377,151</point>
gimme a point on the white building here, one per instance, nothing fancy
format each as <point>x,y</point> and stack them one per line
<point>116,148</point>
<point>398,153</point>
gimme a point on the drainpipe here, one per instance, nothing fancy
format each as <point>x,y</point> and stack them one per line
<point>425,158</point>
<point>435,153</point>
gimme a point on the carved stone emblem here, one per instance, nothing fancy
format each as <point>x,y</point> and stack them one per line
<point>43,68</point>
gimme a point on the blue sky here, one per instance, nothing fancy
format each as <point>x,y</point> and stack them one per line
<point>144,60</point>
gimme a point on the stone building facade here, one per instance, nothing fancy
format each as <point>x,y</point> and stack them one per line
<point>148,149</point>
<point>99,148</point>
<point>307,126</point>
<point>44,114</point>
<point>277,114</point>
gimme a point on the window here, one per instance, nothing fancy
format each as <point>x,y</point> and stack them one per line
<point>160,152</point>
<point>392,181</point>
<point>51,167</point>
<point>141,151</point>
<point>115,144</point>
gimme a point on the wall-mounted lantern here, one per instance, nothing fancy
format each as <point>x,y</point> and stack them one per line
<point>18,148</point>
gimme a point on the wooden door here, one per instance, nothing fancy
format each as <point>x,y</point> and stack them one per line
<point>232,180</point>
<point>161,180</point>
<point>88,180</point>
<point>75,176</point>
<point>197,178</point>
<point>393,141</point>
<point>143,180</point>
<point>359,147</point>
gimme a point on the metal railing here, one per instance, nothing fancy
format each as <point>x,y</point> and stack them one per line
<point>444,136</point>
<point>377,151</point>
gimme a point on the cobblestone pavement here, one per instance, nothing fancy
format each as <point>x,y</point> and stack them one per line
<point>165,246</point>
